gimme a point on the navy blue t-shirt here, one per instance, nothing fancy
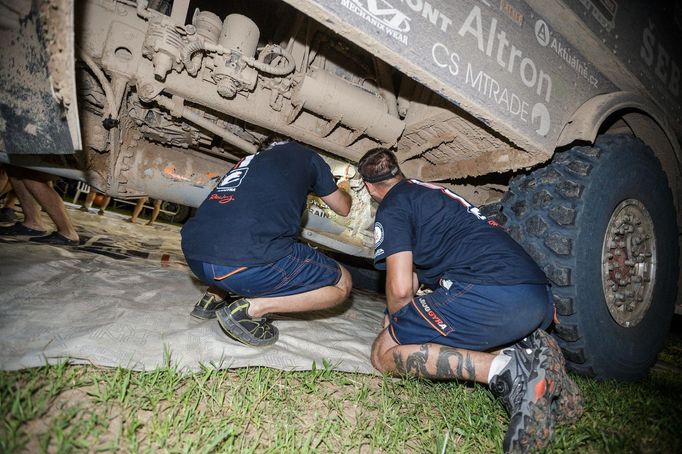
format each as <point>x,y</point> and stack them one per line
<point>448,239</point>
<point>253,216</point>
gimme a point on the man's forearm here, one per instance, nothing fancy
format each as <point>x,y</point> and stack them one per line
<point>399,280</point>
<point>396,302</point>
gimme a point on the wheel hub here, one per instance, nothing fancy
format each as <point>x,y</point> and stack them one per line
<point>629,263</point>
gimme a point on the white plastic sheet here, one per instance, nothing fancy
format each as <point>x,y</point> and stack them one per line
<point>123,299</point>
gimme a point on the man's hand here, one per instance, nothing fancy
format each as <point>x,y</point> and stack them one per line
<point>344,185</point>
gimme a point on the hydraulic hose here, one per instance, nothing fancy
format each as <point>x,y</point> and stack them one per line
<point>104,82</point>
<point>187,53</point>
<point>266,68</point>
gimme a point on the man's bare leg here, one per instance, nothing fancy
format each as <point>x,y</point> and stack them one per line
<point>318,299</point>
<point>104,205</point>
<point>10,200</point>
<point>29,205</point>
<point>88,200</point>
<point>155,212</point>
<point>53,205</point>
<point>139,206</point>
<point>5,185</point>
<point>433,361</point>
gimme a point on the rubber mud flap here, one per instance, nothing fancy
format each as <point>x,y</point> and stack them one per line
<point>579,217</point>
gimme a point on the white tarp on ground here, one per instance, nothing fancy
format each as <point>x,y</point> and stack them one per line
<point>123,298</point>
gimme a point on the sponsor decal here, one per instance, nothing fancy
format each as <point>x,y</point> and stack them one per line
<point>394,22</point>
<point>381,15</point>
<point>654,54</point>
<point>378,234</point>
<point>507,55</point>
<point>547,39</point>
<point>491,40</point>
<point>222,199</point>
<point>433,317</point>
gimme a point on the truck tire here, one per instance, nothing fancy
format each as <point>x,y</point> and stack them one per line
<point>182,212</point>
<point>600,222</point>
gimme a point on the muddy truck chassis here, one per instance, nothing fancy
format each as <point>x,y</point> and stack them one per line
<point>561,119</point>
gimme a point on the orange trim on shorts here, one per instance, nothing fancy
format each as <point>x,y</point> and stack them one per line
<point>392,333</point>
<point>220,278</point>
<point>427,320</point>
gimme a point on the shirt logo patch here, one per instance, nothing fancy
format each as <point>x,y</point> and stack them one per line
<point>378,253</point>
<point>378,234</point>
<point>234,178</point>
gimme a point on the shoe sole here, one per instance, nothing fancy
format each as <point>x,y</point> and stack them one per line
<point>531,428</point>
<point>237,332</point>
<point>568,404</point>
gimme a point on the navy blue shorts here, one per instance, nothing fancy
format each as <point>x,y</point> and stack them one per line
<point>473,317</point>
<point>303,270</point>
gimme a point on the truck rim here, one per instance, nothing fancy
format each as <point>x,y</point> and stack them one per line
<point>629,263</point>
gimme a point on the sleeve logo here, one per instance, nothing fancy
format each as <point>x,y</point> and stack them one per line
<point>378,234</point>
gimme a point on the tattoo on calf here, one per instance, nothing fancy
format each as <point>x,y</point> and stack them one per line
<point>443,367</point>
<point>470,368</point>
<point>464,365</point>
<point>415,363</point>
<point>399,365</point>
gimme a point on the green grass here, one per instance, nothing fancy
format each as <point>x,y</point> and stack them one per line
<point>67,408</point>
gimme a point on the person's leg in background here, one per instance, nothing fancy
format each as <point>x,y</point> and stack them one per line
<point>32,223</point>
<point>7,213</point>
<point>89,199</point>
<point>155,212</point>
<point>34,191</point>
<point>139,206</point>
<point>105,204</point>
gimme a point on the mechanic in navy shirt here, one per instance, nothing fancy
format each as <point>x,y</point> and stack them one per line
<point>484,294</point>
<point>244,239</point>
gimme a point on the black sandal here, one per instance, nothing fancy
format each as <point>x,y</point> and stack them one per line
<point>55,238</point>
<point>19,229</point>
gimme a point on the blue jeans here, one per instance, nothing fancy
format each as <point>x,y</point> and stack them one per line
<point>303,270</point>
<point>473,317</point>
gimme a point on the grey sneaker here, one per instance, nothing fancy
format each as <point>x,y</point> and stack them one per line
<point>238,324</point>
<point>525,390</point>
<point>567,408</point>
<point>207,306</point>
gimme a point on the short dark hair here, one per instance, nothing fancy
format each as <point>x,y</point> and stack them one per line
<point>379,164</point>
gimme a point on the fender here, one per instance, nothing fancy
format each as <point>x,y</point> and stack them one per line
<point>586,122</point>
<point>645,120</point>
